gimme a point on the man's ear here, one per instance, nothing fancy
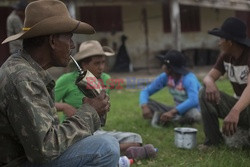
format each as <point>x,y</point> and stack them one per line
<point>83,65</point>
<point>52,41</point>
<point>229,42</point>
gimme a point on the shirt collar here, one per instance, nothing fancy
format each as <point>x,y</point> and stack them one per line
<point>44,75</point>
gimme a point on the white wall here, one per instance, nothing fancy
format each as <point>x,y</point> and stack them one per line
<point>158,40</point>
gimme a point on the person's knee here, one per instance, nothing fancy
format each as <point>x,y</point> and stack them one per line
<point>202,93</point>
<point>197,117</point>
<point>136,138</point>
<point>194,115</point>
<point>111,144</point>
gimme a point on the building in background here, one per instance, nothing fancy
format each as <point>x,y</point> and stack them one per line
<point>152,26</point>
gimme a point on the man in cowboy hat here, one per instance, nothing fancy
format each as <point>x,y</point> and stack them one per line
<point>91,56</point>
<point>234,59</point>
<point>183,86</point>
<point>30,132</point>
<point>14,24</point>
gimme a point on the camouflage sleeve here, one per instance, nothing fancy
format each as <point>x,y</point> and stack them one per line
<point>32,115</point>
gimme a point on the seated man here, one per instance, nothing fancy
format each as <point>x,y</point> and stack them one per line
<point>183,86</point>
<point>91,56</point>
<point>234,60</point>
<point>30,132</point>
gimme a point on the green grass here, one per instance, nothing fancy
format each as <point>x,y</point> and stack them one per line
<point>125,115</point>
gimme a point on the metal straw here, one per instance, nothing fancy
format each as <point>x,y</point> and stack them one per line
<point>77,65</point>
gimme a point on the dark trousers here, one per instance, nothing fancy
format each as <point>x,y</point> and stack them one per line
<point>191,116</point>
<point>212,112</point>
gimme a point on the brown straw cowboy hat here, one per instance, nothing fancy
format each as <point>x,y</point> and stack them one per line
<point>92,48</point>
<point>47,17</point>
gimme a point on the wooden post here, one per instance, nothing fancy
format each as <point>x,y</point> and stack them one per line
<point>175,23</point>
<point>145,25</point>
<point>71,7</point>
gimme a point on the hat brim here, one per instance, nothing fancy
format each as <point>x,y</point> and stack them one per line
<point>106,52</point>
<point>53,25</point>
<point>78,56</point>
<point>179,70</point>
<point>160,57</point>
<point>219,33</point>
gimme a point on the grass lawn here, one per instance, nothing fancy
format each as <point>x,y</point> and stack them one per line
<point>125,115</point>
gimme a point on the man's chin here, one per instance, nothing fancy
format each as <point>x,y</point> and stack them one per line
<point>61,65</point>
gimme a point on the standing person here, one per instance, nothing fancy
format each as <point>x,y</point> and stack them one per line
<point>234,60</point>
<point>122,62</point>
<point>15,24</point>
<point>91,56</point>
<point>183,86</point>
<point>30,132</point>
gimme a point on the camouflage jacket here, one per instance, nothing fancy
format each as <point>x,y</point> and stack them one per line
<point>29,126</point>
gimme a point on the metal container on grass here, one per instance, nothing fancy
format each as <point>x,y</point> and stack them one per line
<point>185,137</point>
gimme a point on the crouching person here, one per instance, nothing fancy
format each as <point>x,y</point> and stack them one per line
<point>234,61</point>
<point>184,88</point>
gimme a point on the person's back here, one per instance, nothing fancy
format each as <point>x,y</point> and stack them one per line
<point>15,74</point>
<point>7,134</point>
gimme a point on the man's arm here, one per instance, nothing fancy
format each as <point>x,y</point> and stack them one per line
<point>156,85</point>
<point>153,87</point>
<point>66,108</point>
<point>33,117</point>
<point>212,92</point>
<point>191,86</point>
<point>231,120</point>
<point>146,112</point>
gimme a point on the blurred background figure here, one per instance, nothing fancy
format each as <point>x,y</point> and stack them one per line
<point>184,87</point>
<point>122,63</point>
<point>15,24</point>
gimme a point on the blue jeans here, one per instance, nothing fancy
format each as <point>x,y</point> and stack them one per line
<point>95,150</point>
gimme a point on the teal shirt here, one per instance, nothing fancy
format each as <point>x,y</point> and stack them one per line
<point>66,91</point>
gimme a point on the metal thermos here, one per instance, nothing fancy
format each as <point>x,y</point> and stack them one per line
<point>89,85</point>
